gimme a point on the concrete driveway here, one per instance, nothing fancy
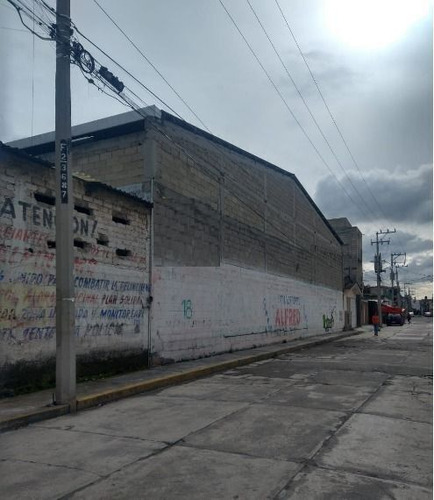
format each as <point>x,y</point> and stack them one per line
<point>347,420</point>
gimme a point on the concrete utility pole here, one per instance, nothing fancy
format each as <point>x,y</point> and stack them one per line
<point>378,265</point>
<point>393,273</point>
<point>407,295</point>
<point>65,310</point>
<point>397,284</point>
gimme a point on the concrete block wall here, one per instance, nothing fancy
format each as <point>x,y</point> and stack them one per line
<point>201,311</point>
<point>266,220</point>
<point>111,272</point>
<point>117,161</point>
<point>262,267</point>
<point>214,204</point>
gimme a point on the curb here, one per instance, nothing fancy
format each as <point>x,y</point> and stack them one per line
<point>125,391</point>
<point>33,417</point>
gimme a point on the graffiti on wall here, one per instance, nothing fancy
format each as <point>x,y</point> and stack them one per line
<point>38,216</point>
<point>288,314</point>
<point>110,307</point>
<point>328,321</point>
<point>110,299</point>
<point>187,308</point>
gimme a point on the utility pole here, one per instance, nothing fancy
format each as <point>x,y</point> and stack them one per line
<point>394,274</point>
<point>407,295</point>
<point>397,283</point>
<point>378,265</point>
<point>65,308</point>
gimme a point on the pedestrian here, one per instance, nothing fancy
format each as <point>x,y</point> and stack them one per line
<point>376,323</point>
<point>409,318</point>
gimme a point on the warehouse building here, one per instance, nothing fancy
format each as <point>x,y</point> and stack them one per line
<point>240,254</point>
<point>353,269</point>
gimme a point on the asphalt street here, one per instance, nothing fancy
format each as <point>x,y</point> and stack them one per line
<point>347,420</point>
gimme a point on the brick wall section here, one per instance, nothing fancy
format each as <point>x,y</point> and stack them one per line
<point>111,273</point>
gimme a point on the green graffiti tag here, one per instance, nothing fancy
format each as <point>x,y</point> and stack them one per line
<point>188,308</point>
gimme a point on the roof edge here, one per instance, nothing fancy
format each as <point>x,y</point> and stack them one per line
<point>192,128</point>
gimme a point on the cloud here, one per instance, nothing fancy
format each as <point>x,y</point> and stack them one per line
<point>418,250</point>
<point>333,76</point>
<point>404,196</point>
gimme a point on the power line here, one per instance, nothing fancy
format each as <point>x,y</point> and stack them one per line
<point>135,107</point>
<point>46,8</point>
<point>21,9</point>
<point>130,103</point>
<point>128,73</point>
<point>306,105</point>
<point>122,98</point>
<point>331,114</point>
<point>13,29</point>
<point>285,102</point>
<point>152,65</point>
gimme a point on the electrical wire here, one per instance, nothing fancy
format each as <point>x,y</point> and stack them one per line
<point>44,4</point>
<point>200,163</point>
<point>13,29</point>
<point>152,65</point>
<point>331,114</point>
<point>306,105</point>
<point>75,27</point>
<point>136,108</point>
<point>127,72</point>
<point>132,105</point>
<point>22,10</point>
<point>210,165</point>
<point>286,103</point>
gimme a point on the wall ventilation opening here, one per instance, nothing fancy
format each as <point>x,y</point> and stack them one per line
<point>83,210</point>
<point>123,252</point>
<point>45,198</point>
<point>51,244</point>
<point>102,240</point>
<point>81,244</point>
<point>120,219</point>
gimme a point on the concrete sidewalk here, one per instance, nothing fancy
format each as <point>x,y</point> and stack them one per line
<point>22,410</point>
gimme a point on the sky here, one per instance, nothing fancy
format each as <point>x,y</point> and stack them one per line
<point>338,92</point>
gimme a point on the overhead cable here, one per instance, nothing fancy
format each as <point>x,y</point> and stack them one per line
<point>286,104</point>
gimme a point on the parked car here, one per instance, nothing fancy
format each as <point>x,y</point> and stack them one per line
<point>394,319</point>
<point>428,314</point>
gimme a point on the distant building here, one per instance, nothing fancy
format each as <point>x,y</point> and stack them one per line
<point>352,266</point>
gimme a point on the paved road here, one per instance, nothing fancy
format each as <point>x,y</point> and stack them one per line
<point>346,420</point>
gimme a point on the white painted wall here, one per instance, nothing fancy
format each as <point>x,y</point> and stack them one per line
<point>200,311</point>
